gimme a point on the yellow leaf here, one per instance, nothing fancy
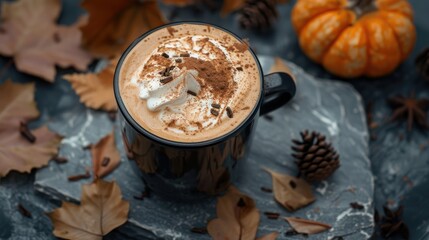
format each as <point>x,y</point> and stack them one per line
<point>100,211</point>
<point>231,6</point>
<point>29,34</point>
<point>113,25</point>
<point>307,226</point>
<point>95,89</point>
<point>291,192</point>
<point>105,148</point>
<point>16,152</point>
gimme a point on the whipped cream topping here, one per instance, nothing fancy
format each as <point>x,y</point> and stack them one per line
<point>183,78</point>
<point>173,93</point>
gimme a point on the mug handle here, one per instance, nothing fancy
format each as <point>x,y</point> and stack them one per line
<point>279,88</point>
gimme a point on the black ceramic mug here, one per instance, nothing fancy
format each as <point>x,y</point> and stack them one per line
<point>188,171</point>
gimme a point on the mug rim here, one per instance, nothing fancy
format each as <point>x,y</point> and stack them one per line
<point>122,108</point>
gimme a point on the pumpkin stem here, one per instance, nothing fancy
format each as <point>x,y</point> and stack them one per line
<point>362,7</point>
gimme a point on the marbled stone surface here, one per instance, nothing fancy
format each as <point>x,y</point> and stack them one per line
<point>331,107</point>
<point>18,189</point>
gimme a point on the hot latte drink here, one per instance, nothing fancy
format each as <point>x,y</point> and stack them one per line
<point>190,83</point>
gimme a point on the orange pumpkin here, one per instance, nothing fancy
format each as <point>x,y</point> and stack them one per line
<point>351,38</point>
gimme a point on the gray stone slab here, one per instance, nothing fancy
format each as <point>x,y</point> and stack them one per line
<point>17,188</point>
<point>330,107</point>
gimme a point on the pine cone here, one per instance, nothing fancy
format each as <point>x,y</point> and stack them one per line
<point>422,62</point>
<point>316,159</point>
<point>258,14</point>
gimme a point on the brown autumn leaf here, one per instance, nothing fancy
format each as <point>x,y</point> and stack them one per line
<point>113,25</point>
<point>271,236</point>
<point>307,226</point>
<point>179,3</point>
<point>101,210</point>
<point>291,192</point>
<point>105,148</point>
<point>29,34</point>
<point>237,217</point>
<point>280,66</point>
<point>17,153</point>
<point>95,89</point>
<point>230,6</point>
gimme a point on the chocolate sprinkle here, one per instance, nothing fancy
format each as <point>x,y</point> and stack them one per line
<point>24,212</point>
<point>60,159</point>
<point>215,105</point>
<point>165,55</point>
<point>185,55</point>
<point>200,230</point>
<point>78,177</point>
<point>240,69</point>
<point>356,206</point>
<point>229,112</point>
<point>166,80</point>
<point>265,189</point>
<point>191,93</point>
<point>167,71</point>
<point>291,233</point>
<point>178,60</point>
<point>214,112</point>
<point>26,133</point>
<point>105,162</point>
<point>272,215</point>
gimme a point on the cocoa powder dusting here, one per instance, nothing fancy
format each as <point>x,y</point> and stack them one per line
<point>159,59</point>
<point>172,123</point>
<point>241,47</point>
<point>216,76</point>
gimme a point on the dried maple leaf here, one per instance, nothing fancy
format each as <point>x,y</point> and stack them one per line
<point>411,108</point>
<point>392,223</point>
<point>105,156</point>
<point>17,153</point>
<point>291,192</point>
<point>307,226</point>
<point>280,66</point>
<point>100,211</point>
<point>95,89</point>
<point>29,33</point>
<point>237,217</point>
<point>113,25</point>
<point>231,6</point>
